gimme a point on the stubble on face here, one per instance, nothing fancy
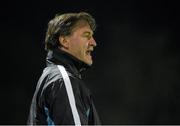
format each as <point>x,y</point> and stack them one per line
<point>79,42</point>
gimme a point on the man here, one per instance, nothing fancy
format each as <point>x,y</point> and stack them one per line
<point>61,96</point>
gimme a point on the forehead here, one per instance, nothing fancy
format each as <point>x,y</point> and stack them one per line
<point>82,26</point>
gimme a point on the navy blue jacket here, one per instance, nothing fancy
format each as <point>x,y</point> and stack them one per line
<point>50,103</point>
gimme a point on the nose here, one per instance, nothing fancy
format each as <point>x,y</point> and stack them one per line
<point>93,42</point>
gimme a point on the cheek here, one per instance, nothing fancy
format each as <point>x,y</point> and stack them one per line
<point>78,46</point>
<point>73,43</point>
<point>75,47</point>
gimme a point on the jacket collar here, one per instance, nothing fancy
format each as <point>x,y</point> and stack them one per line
<point>72,64</point>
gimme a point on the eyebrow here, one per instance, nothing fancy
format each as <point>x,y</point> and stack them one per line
<point>87,32</point>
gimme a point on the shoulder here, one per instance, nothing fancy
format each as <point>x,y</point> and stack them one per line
<point>54,73</point>
<point>49,84</point>
<point>50,76</point>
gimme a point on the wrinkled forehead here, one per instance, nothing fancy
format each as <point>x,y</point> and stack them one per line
<point>81,24</point>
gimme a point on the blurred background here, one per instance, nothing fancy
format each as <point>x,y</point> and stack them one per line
<point>135,75</point>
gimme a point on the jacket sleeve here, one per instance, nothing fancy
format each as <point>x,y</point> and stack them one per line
<point>56,107</point>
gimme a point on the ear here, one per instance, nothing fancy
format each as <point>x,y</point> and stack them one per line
<point>64,42</point>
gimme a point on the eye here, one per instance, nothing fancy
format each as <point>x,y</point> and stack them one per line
<point>87,36</point>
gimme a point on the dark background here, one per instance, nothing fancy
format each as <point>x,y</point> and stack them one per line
<point>135,75</point>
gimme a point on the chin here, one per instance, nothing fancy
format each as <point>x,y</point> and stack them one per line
<point>89,63</point>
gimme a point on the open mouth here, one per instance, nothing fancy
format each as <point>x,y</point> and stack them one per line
<point>89,53</point>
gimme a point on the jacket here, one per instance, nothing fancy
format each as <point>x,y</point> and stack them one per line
<point>50,103</point>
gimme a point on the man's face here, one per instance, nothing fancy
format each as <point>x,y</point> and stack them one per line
<point>81,43</point>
